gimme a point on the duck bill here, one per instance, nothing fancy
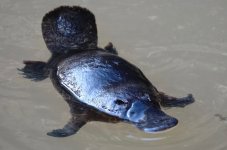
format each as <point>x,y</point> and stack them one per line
<point>149,118</point>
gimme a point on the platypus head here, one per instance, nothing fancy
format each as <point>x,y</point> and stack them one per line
<point>67,29</point>
<point>149,117</point>
<point>141,110</point>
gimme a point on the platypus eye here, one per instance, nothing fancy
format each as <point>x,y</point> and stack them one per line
<point>121,102</point>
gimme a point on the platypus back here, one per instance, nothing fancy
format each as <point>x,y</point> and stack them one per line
<point>69,29</point>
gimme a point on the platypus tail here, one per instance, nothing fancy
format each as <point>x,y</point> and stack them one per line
<point>34,70</point>
<point>67,29</point>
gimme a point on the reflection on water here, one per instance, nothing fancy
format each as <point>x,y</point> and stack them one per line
<point>179,45</point>
<point>221,117</point>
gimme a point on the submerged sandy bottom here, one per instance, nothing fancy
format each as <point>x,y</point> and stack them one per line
<point>180,45</point>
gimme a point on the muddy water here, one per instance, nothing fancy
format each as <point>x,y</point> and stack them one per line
<point>180,45</point>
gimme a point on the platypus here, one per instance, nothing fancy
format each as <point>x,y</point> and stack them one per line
<point>97,84</point>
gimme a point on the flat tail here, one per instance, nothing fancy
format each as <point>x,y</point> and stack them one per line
<point>69,28</point>
<point>34,70</point>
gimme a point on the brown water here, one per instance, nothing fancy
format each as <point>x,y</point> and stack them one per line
<point>180,45</point>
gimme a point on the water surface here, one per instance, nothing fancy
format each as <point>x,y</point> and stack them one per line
<point>180,45</point>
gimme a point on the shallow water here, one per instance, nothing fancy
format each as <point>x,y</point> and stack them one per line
<point>180,45</point>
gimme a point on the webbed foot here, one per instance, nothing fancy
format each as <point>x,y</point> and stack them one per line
<point>34,70</point>
<point>64,132</point>
<point>169,101</point>
<point>110,48</point>
<point>70,128</point>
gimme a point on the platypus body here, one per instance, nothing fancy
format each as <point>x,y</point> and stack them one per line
<point>97,84</point>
